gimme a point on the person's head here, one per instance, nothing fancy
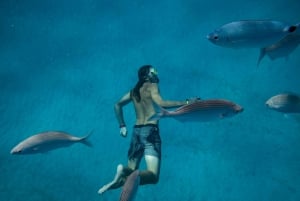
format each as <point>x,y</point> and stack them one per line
<point>148,73</point>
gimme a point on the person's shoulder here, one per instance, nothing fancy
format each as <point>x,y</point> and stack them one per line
<point>153,87</point>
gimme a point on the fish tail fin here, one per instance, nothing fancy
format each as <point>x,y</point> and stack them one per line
<point>84,140</point>
<point>292,29</point>
<point>261,55</point>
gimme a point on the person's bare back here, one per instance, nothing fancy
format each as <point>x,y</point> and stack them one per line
<point>144,108</point>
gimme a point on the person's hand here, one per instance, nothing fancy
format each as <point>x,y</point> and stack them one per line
<point>192,100</point>
<point>123,131</point>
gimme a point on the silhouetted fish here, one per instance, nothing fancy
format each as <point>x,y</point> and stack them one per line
<point>250,33</point>
<point>201,111</point>
<point>282,48</point>
<point>285,103</point>
<point>47,141</point>
<point>130,187</point>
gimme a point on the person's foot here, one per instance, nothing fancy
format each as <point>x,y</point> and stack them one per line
<point>117,182</point>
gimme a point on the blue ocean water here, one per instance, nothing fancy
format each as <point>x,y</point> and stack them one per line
<point>63,65</point>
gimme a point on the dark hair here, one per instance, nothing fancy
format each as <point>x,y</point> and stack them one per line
<point>143,77</point>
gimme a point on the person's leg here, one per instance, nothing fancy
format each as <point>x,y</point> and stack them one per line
<point>121,175</point>
<point>152,153</point>
<point>151,175</point>
<point>115,183</point>
<point>135,154</point>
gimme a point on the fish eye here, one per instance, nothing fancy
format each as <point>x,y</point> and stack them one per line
<point>16,151</point>
<point>216,37</point>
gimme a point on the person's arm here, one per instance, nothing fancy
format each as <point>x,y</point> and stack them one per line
<point>156,97</point>
<point>119,108</point>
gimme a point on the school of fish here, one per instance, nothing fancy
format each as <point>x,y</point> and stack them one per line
<point>275,39</point>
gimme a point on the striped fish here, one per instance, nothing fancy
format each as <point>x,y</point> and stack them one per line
<point>201,111</point>
<point>130,187</point>
<point>285,103</point>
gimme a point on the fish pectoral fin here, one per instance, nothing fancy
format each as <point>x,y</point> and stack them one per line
<point>35,149</point>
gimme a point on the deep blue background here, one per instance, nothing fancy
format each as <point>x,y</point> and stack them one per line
<point>63,65</point>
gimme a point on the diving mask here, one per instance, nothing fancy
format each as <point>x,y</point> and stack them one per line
<point>153,75</point>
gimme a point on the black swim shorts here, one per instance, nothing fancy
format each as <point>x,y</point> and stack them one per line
<point>145,140</point>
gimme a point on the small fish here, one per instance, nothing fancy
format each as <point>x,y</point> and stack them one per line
<point>47,141</point>
<point>201,111</point>
<point>285,103</point>
<point>282,48</point>
<point>130,187</point>
<point>250,33</point>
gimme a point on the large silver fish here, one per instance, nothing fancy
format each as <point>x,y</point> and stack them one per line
<point>47,141</point>
<point>285,103</point>
<point>282,48</point>
<point>201,111</point>
<point>250,33</point>
<point>130,187</point>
